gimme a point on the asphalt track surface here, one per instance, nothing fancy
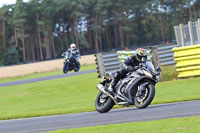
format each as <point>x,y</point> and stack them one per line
<point>18,82</point>
<point>50,123</point>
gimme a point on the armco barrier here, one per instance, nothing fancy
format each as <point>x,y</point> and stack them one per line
<point>188,60</point>
<point>111,61</point>
<point>165,54</point>
<point>107,63</point>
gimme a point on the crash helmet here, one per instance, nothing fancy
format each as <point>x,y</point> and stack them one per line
<point>73,46</point>
<point>140,53</point>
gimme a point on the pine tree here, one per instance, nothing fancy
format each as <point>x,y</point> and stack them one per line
<point>19,20</point>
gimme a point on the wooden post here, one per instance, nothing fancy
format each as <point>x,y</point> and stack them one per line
<point>176,35</point>
<point>155,59</point>
<point>182,35</point>
<point>191,33</point>
<point>100,67</point>
<point>198,30</point>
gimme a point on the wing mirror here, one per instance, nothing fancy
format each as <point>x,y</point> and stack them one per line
<point>158,69</point>
<point>143,59</point>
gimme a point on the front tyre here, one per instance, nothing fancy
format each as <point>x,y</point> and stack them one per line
<point>103,103</point>
<point>145,98</point>
<point>65,68</point>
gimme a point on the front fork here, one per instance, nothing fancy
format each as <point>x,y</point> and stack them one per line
<point>66,64</point>
<point>141,88</point>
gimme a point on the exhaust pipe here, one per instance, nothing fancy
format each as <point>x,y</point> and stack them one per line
<point>102,89</point>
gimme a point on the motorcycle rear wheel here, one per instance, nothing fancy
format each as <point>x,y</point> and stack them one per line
<point>143,102</point>
<point>103,105</point>
<point>77,66</point>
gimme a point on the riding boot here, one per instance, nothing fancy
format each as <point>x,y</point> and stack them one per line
<point>111,88</point>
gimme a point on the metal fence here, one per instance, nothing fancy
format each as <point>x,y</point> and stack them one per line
<point>188,34</point>
<point>177,30</point>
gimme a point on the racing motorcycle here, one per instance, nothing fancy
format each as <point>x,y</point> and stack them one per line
<point>137,88</point>
<point>70,63</point>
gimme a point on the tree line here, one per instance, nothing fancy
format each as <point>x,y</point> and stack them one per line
<point>42,29</point>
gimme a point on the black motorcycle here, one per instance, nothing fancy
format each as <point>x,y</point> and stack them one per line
<point>71,63</point>
<point>137,88</point>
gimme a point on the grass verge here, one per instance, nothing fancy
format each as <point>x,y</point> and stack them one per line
<point>77,94</point>
<point>169,72</point>
<point>178,125</point>
<point>44,74</point>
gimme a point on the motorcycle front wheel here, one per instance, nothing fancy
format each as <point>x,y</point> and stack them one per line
<point>103,103</point>
<point>65,68</point>
<point>145,98</point>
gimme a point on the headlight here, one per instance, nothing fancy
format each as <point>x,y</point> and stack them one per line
<point>100,86</point>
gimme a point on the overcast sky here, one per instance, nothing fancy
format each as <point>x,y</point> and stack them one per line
<point>7,2</point>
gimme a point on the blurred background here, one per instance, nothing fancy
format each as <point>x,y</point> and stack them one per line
<point>36,30</point>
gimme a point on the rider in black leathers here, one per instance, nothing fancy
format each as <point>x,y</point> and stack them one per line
<point>130,64</point>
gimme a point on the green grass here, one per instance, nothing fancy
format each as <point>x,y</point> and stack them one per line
<point>44,74</point>
<point>169,72</point>
<point>178,125</point>
<point>177,90</point>
<point>59,96</point>
<point>77,94</point>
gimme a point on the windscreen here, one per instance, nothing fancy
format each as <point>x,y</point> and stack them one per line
<point>150,66</point>
<point>66,55</point>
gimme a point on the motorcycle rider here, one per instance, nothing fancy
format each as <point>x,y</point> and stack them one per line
<point>73,51</point>
<point>129,64</point>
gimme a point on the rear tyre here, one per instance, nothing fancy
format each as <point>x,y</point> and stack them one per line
<point>143,100</point>
<point>77,67</point>
<point>103,103</point>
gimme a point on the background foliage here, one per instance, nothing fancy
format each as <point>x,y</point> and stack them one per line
<point>43,29</point>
